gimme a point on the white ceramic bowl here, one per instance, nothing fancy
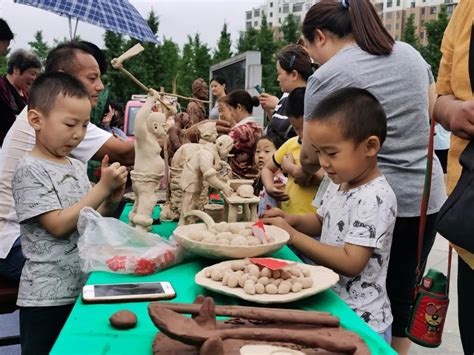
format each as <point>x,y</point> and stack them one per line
<point>221,252</point>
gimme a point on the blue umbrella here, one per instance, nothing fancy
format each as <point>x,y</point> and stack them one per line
<point>113,15</point>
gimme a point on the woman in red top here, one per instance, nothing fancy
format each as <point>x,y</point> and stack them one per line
<point>245,133</point>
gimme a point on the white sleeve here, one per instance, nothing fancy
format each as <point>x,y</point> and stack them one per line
<point>18,142</point>
<point>94,139</point>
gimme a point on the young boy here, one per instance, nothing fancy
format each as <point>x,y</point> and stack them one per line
<point>357,214</point>
<point>295,199</point>
<point>49,190</point>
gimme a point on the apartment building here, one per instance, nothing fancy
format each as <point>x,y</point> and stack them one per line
<point>395,13</point>
<point>276,12</point>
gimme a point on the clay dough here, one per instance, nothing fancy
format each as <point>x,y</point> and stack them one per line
<point>245,191</point>
<point>123,320</point>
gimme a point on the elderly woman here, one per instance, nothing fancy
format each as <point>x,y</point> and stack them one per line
<point>23,68</point>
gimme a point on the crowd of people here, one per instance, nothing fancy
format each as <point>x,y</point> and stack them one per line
<point>340,166</point>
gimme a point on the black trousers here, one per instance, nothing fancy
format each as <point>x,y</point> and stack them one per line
<point>40,327</point>
<point>401,276</point>
<point>466,306</point>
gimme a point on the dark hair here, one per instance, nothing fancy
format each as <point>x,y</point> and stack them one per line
<point>221,80</point>
<point>268,138</point>
<point>49,86</point>
<point>63,57</point>
<point>6,33</point>
<point>295,57</point>
<point>359,19</point>
<point>295,103</point>
<point>99,56</point>
<point>22,60</point>
<point>358,113</point>
<point>243,98</point>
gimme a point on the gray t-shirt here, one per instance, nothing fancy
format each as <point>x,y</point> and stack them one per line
<point>52,275</point>
<point>400,82</point>
<point>363,216</point>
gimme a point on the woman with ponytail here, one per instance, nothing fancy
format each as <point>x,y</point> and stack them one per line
<point>245,133</point>
<point>348,40</point>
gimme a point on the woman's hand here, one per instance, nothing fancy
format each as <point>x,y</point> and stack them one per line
<point>268,102</point>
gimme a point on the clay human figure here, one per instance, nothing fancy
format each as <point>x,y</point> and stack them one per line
<point>176,137</point>
<point>201,166</point>
<point>207,132</point>
<point>149,166</point>
<point>196,109</point>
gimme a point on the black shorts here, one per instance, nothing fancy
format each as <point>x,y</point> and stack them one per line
<point>443,158</point>
<point>401,276</point>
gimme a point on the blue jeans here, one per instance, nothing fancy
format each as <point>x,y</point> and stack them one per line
<point>11,266</point>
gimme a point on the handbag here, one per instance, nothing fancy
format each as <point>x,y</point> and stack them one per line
<point>431,296</point>
<point>454,222</point>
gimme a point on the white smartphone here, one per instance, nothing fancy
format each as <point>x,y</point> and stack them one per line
<point>143,291</point>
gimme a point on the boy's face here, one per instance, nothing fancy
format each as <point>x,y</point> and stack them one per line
<point>297,123</point>
<point>343,160</point>
<point>263,152</point>
<point>59,132</point>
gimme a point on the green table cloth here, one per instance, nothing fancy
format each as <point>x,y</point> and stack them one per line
<point>88,331</point>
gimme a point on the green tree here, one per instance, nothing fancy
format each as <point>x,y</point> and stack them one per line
<point>40,47</point>
<point>434,31</point>
<point>409,34</point>
<point>114,46</point>
<point>290,30</point>
<point>268,47</point>
<point>202,58</point>
<point>195,63</point>
<point>186,69</point>
<point>224,45</point>
<point>169,57</point>
<point>247,40</point>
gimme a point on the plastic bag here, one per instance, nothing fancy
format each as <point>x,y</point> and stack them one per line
<point>107,244</point>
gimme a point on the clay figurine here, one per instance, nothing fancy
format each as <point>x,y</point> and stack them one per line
<point>170,211</point>
<point>176,136</point>
<point>196,109</point>
<point>149,166</point>
<point>203,165</point>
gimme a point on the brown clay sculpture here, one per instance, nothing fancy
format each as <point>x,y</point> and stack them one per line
<point>305,331</point>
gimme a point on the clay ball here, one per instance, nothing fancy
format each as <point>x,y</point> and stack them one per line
<point>123,320</point>
<point>245,191</point>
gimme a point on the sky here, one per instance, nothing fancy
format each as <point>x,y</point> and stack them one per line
<point>178,19</point>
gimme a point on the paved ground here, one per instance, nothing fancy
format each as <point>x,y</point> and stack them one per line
<point>438,259</point>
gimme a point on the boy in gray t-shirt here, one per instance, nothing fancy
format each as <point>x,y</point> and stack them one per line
<point>50,189</point>
<point>357,212</point>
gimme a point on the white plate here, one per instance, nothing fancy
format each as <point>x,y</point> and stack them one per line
<point>220,251</point>
<point>323,278</point>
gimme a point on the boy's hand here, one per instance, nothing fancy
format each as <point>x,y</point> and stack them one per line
<point>280,222</point>
<point>302,178</point>
<point>275,212</point>
<point>288,164</point>
<point>116,195</point>
<point>114,176</point>
<point>277,191</point>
